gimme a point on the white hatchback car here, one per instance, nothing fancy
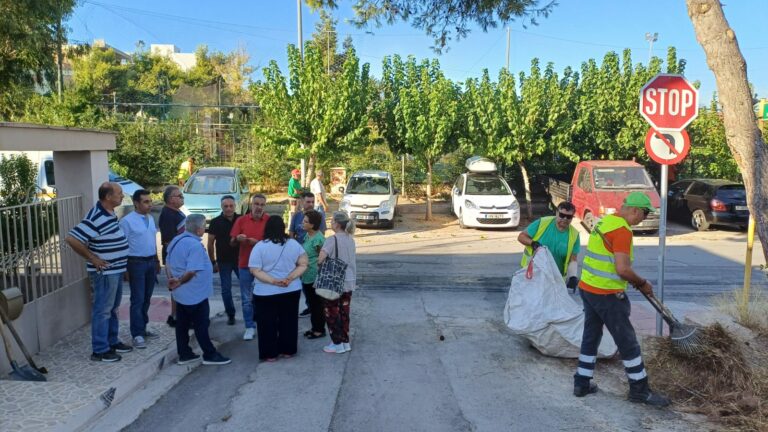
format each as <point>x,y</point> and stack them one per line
<point>482,199</point>
<point>370,199</point>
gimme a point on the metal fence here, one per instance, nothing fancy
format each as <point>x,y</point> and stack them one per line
<point>34,256</point>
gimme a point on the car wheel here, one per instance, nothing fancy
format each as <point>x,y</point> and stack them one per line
<point>699,220</point>
<point>461,220</point>
<point>589,221</point>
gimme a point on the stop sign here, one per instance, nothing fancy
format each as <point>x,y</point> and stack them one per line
<point>669,102</point>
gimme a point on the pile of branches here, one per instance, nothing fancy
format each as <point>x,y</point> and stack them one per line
<point>727,381</point>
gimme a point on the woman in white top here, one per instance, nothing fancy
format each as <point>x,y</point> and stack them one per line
<point>276,263</point>
<point>340,245</point>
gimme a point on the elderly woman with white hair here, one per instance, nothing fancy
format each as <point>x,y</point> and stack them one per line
<point>340,245</point>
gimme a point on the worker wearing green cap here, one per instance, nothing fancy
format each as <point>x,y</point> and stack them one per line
<point>606,272</point>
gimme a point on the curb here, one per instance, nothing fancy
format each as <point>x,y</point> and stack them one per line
<point>125,406</point>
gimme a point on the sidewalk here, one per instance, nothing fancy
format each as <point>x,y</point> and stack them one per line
<point>79,390</point>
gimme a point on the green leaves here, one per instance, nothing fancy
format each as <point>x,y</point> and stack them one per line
<point>323,113</point>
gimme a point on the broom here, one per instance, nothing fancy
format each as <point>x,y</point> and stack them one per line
<point>685,337</point>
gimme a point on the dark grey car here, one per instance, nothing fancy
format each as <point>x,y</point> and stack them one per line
<point>706,202</point>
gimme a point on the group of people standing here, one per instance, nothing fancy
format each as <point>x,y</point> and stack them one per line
<point>273,266</point>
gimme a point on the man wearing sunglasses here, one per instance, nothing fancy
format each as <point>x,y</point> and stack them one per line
<point>607,270</point>
<point>562,240</point>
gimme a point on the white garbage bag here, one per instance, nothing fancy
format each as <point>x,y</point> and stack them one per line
<point>540,309</point>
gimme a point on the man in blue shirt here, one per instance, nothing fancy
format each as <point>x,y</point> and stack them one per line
<point>562,240</point>
<point>190,280</point>
<point>143,264</point>
<point>99,239</point>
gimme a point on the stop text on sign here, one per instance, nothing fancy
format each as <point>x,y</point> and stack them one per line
<point>672,102</point>
<point>669,102</point>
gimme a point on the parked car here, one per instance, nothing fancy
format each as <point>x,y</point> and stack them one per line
<point>598,188</point>
<point>705,202</point>
<point>370,198</point>
<point>205,188</point>
<point>481,198</point>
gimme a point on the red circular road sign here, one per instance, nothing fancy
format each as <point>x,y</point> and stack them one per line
<point>668,147</point>
<point>669,102</point>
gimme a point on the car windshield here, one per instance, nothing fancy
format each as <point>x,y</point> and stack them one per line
<point>486,185</point>
<point>210,185</point>
<point>368,185</point>
<point>622,178</point>
<point>735,192</point>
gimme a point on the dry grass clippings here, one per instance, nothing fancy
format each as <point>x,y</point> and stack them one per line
<point>727,381</point>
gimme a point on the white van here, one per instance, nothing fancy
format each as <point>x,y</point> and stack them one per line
<point>481,198</point>
<point>370,199</point>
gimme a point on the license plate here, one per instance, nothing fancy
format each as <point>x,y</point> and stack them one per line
<point>364,217</point>
<point>741,208</point>
<point>494,216</point>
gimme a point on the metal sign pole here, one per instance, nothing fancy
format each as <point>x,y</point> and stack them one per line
<point>662,244</point>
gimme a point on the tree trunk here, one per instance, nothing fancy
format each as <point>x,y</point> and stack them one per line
<point>310,169</point>
<point>405,194</point>
<point>429,190</point>
<point>527,186</point>
<point>743,136</point>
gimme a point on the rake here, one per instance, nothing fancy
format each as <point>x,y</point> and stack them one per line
<point>685,337</point>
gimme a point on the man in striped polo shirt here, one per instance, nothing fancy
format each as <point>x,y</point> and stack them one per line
<point>99,239</point>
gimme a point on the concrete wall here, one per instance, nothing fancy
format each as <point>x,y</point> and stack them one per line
<point>80,156</point>
<point>48,319</point>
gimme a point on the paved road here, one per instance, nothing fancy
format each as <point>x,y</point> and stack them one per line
<point>401,376</point>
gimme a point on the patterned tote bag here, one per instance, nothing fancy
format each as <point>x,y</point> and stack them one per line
<point>330,276</point>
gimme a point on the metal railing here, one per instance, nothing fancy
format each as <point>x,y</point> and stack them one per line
<point>33,254</point>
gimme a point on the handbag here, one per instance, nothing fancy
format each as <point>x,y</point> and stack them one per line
<point>330,276</point>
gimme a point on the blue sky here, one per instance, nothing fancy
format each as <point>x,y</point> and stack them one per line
<point>576,31</point>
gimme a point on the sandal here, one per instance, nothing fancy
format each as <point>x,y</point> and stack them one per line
<point>314,335</point>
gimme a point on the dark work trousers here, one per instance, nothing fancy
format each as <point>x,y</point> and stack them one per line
<point>196,317</point>
<point>316,304</point>
<point>611,310</point>
<point>277,323</point>
<point>142,273</point>
<point>337,317</point>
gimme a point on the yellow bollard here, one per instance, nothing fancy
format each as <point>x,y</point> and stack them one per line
<point>744,306</point>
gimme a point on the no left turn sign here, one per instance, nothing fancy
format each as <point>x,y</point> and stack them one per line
<point>667,147</point>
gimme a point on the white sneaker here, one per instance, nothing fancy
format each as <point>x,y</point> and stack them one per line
<point>347,346</point>
<point>333,348</point>
<point>249,333</point>
<point>139,343</point>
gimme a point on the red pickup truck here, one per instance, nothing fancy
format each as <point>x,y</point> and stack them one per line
<point>598,187</point>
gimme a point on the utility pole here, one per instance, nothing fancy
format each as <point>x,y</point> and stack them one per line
<point>508,39</point>
<point>301,54</point>
<point>651,38</point>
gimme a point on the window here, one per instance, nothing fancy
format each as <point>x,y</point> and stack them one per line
<point>368,185</point>
<point>243,182</point>
<point>49,177</point>
<point>486,185</point>
<point>622,178</point>
<point>698,189</point>
<point>679,187</point>
<point>459,185</point>
<point>585,180</point>
<point>211,185</point>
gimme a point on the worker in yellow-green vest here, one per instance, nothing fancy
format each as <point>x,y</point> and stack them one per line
<point>606,272</point>
<point>185,170</point>
<point>562,240</point>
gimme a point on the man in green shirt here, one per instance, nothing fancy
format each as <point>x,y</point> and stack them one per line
<point>294,190</point>
<point>562,240</point>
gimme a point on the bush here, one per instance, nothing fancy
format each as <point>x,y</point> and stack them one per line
<point>17,179</point>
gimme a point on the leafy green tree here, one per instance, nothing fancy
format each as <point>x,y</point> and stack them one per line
<point>425,117</point>
<point>709,155</point>
<point>313,114</point>
<point>28,44</point>
<point>18,174</point>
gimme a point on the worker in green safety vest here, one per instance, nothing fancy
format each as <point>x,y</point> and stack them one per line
<point>560,237</point>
